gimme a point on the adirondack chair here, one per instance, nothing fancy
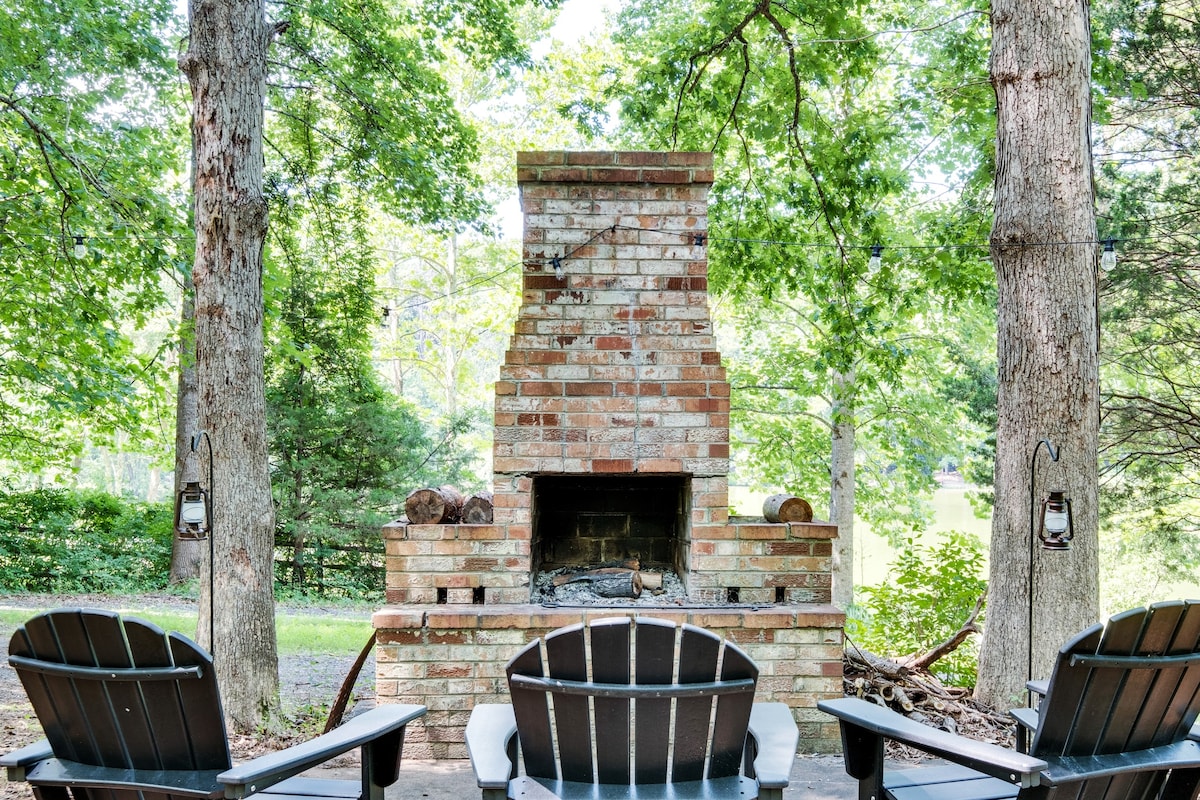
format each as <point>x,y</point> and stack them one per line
<point>1113,725</point>
<point>666,712</point>
<point>129,711</point>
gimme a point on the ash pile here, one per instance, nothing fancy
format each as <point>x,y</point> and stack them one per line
<point>608,585</point>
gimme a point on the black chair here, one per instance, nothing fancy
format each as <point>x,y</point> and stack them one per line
<point>664,711</point>
<point>1113,725</point>
<point>132,712</point>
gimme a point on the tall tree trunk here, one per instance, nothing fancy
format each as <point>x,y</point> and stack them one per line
<point>841,489</point>
<point>226,65</point>
<point>186,554</point>
<point>1043,246</point>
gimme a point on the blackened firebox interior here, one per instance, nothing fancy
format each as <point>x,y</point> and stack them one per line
<point>593,520</point>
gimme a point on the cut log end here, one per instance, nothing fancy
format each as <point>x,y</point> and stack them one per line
<point>477,509</point>
<point>787,508</point>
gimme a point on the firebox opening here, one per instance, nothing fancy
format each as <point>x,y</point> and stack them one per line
<point>593,520</point>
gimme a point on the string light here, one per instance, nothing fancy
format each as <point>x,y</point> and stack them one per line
<point>1108,259</point>
<point>559,273</point>
<point>876,260</point>
<point>80,249</point>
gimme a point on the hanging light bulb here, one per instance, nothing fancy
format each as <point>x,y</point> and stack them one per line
<point>559,273</point>
<point>1108,259</point>
<point>80,249</point>
<point>876,260</point>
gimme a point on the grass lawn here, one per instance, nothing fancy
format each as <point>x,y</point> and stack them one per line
<point>296,630</point>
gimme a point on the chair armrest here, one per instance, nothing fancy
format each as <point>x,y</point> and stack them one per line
<point>776,738</point>
<point>361,731</point>
<point>1040,686</point>
<point>1027,722</point>
<point>1177,755</point>
<point>18,762</point>
<point>490,730</point>
<point>990,759</point>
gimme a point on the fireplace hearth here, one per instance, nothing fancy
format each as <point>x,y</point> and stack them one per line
<point>611,446</point>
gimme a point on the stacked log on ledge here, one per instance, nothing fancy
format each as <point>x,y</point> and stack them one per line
<point>445,505</point>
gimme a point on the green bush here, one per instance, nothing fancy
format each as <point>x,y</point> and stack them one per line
<point>929,594</point>
<point>59,540</point>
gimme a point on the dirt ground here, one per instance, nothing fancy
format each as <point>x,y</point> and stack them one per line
<point>308,683</point>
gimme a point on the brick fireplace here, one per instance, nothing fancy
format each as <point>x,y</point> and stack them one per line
<point>611,443</point>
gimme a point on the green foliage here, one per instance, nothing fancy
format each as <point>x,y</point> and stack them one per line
<point>343,449</point>
<point>54,540</point>
<point>930,592</point>
<point>823,121</point>
<point>86,118</point>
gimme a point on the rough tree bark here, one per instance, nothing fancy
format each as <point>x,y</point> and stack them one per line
<point>226,65</point>
<point>1043,247</point>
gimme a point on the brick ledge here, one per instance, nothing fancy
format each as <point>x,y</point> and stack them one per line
<point>441,617</point>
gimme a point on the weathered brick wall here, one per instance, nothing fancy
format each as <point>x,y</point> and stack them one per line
<point>613,367</point>
<point>449,659</point>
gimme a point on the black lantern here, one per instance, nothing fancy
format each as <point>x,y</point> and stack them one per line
<point>1057,529</point>
<point>192,519</point>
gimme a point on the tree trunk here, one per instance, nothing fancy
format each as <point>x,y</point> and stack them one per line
<point>1043,247</point>
<point>226,66</point>
<point>186,554</point>
<point>841,490</point>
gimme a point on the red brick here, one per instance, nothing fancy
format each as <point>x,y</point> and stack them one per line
<point>539,158</point>
<point>537,419</point>
<point>690,158</point>
<point>612,465</point>
<point>666,176</point>
<point>614,343</point>
<point>536,282</point>
<point>589,389</point>
<point>640,158</point>
<point>710,357</point>
<point>687,390</point>
<point>541,389</point>
<point>614,175</point>
<point>546,357</point>
<point>563,175</point>
<point>591,157</point>
<point>801,548</point>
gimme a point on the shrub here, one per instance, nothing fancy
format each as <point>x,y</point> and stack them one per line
<point>58,540</point>
<point>929,594</point>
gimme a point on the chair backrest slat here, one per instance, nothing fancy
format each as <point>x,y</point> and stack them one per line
<point>698,652</point>
<point>611,652</point>
<point>654,665</point>
<point>732,716</point>
<point>653,695</point>
<point>566,657</point>
<point>531,708</point>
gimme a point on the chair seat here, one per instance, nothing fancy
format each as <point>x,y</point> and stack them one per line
<point>949,782</point>
<point>732,788</point>
<point>300,788</point>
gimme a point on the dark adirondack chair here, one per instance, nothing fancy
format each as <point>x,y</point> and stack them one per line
<point>666,712</point>
<point>132,712</point>
<point>1113,724</point>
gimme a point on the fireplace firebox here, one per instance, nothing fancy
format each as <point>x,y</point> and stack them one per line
<point>589,521</point>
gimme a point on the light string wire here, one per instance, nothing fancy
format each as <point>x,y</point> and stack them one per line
<point>696,238</point>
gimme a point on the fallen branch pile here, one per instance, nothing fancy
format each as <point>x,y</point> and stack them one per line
<point>922,697</point>
<point>905,685</point>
